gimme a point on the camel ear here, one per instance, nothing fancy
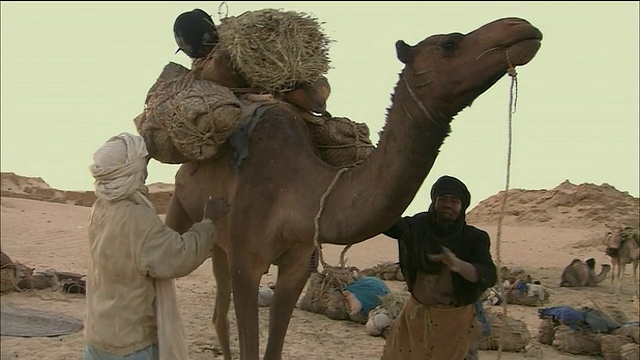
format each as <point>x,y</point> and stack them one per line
<point>403,51</point>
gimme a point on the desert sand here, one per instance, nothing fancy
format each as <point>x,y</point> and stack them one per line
<point>543,230</point>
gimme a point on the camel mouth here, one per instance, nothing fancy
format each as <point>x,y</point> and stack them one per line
<point>523,51</point>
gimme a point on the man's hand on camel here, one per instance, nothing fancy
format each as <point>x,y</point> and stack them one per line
<point>215,208</point>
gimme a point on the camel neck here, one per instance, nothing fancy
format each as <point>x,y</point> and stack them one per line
<point>388,181</point>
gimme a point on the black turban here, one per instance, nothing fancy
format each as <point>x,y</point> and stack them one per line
<point>450,185</point>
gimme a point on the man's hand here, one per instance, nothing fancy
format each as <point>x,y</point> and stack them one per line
<point>447,257</point>
<point>216,208</point>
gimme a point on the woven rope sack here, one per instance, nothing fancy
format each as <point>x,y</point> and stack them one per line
<point>630,351</point>
<point>341,141</point>
<point>185,118</point>
<point>323,295</point>
<point>275,49</point>
<point>577,342</point>
<point>610,346</point>
<point>546,332</point>
<point>630,330</point>
<point>514,337</point>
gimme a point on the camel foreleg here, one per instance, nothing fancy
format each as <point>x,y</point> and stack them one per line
<point>293,272</point>
<point>177,218</point>
<point>245,277</point>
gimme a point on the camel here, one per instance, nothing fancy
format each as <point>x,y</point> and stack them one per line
<point>285,199</point>
<point>582,274</point>
<point>622,248</point>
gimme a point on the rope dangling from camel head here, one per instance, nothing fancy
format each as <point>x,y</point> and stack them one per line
<point>511,71</point>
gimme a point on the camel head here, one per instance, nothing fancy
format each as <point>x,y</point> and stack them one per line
<point>452,70</point>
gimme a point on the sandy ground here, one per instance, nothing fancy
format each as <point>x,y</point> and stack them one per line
<point>48,235</point>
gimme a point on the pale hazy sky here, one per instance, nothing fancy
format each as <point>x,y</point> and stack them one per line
<point>74,74</point>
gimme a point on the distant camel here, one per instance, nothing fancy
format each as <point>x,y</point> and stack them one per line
<point>623,247</point>
<point>582,274</point>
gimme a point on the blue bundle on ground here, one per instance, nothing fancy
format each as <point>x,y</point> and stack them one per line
<point>368,290</point>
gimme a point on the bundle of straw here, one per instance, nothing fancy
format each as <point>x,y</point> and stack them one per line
<point>275,50</point>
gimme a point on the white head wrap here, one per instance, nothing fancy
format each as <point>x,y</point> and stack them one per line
<point>119,168</point>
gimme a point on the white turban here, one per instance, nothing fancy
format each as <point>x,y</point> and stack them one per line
<point>119,168</point>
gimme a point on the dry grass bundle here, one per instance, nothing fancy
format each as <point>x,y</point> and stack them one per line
<point>386,271</point>
<point>610,346</point>
<point>577,342</point>
<point>275,49</point>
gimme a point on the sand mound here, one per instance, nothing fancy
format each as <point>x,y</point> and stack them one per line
<point>566,205</point>
<point>17,186</point>
<point>22,184</point>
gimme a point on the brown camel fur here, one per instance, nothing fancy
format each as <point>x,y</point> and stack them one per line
<point>622,248</point>
<point>276,193</point>
<point>582,274</point>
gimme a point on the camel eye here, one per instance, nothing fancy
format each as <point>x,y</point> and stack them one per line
<point>448,45</point>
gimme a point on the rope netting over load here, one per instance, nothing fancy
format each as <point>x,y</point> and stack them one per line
<point>191,114</point>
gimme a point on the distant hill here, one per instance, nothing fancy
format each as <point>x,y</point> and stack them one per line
<point>567,205</point>
<point>35,188</point>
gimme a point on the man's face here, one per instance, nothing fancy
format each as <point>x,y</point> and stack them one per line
<point>448,207</point>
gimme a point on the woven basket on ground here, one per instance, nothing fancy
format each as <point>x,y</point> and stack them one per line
<point>577,342</point>
<point>386,271</point>
<point>513,334</point>
<point>610,346</point>
<point>186,118</point>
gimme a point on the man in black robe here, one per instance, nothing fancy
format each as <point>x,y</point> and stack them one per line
<point>447,265</point>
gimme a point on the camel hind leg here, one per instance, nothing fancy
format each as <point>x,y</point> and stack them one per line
<point>293,273</point>
<point>220,266</point>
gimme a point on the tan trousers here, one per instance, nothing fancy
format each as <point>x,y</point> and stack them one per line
<point>432,332</point>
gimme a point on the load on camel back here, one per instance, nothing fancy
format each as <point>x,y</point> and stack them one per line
<point>262,58</point>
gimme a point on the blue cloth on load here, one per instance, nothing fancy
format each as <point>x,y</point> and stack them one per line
<point>368,290</point>
<point>565,314</point>
<point>599,322</point>
<point>486,329</point>
<point>522,287</point>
